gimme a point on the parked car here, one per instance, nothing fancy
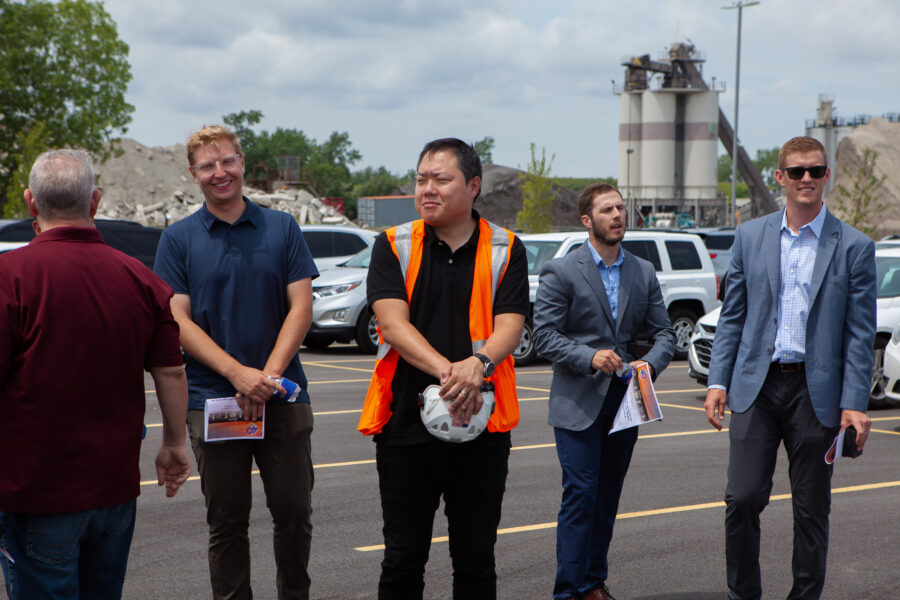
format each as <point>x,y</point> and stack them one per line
<point>334,244</point>
<point>887,316</point>
<point>891,371</point>
<point>718,241</point>
<point>131,238</point>
<point>683,266</point>
<point>340,310</point>
<point>7,246</point>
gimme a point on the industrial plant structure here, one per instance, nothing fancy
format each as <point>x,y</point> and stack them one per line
<point>669,128</point>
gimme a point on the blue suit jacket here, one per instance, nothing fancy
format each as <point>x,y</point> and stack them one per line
<point>573,319</point>
<point>840,326</point>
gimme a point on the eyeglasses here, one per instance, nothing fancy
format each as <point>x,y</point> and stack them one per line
<point>816,172</point>
<point>229,163</point>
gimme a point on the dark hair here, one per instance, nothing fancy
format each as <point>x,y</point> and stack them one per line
<point>800,144</point>
<point>587,195</point>
<point>467,159</point>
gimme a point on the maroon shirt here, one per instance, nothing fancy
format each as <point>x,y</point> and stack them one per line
<point>79,323</point>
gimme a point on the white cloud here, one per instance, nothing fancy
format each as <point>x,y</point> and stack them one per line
<point>397,73</point>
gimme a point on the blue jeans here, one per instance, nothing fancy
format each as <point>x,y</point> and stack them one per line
<point>67,556</point>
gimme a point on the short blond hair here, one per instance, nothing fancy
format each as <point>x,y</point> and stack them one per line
<point>210,135</point>
<point>800,144</point>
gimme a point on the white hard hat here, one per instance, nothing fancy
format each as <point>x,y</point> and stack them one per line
<point>438,422</point>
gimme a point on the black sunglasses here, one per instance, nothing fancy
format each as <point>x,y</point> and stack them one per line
<point>817,172</point>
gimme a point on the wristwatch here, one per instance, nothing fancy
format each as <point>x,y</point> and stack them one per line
<point>488,364</point>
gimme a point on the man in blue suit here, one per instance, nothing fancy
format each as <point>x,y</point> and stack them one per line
<point>590,304</point>
<point>793,358</point>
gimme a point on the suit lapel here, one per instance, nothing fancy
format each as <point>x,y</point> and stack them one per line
<point>828,241</point>
<point>771,245</point>
<point>595,282</point>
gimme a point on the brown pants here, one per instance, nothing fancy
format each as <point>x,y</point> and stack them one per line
<point>285,466</point>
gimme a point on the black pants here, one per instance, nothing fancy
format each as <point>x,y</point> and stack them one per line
<point>472,478</point>
<point>782,411</point>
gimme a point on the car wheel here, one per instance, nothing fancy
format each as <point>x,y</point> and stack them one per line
<point>367,332</point>
<point>525,353</point>
<point>877,397</point>
<point>316,343</point>
<point>683,322</point>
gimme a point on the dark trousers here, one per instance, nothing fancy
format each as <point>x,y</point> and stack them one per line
<point>781,412</point>
<point>594,465</point>
<point>285,466</point>
<point>472,478</point>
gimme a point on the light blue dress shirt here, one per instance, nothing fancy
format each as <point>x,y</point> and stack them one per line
<point>798,255</point>
<point>611,276</point>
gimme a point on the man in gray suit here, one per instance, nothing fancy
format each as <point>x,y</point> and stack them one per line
<point>590,305</point>
<point>793,359</point>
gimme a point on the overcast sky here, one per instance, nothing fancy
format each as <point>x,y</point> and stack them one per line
<point>395,74</point>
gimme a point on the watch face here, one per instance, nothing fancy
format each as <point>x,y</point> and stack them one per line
<point>488,364</point>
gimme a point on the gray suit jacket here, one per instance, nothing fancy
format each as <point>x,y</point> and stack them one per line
<point>573,319</point>
<point>840,324</point>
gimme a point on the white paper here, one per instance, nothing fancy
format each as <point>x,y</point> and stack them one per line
<point>224,420</point>
<point>836,449</point>
<point>639,405</point>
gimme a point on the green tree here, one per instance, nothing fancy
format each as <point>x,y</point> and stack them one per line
<point>861,206</point>
<point>723,169</point>
<point>63,76</point>
<point>766,163</point>
<point>483,148</point>
<point>371,182</point>
<point>536,215</point>
<point>325,166</point>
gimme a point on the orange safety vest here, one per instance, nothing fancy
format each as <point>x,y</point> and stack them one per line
<point>491,260</point>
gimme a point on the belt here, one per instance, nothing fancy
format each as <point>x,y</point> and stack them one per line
<point>794,367</point>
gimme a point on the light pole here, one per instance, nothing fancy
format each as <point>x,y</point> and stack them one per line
<point>739,5</point>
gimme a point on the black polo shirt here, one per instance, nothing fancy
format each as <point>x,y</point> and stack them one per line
<point>440,311</point>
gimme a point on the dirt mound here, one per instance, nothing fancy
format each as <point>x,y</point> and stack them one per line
<point>884,138</point>
<point>501,199</point>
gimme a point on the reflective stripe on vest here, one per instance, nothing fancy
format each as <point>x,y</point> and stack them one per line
<point>491,261</point>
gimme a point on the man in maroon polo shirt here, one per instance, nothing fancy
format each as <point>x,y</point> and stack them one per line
<point>79,323</point>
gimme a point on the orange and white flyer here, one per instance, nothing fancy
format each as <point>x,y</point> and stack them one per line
<point>639,405</point>
<point>225,420</point>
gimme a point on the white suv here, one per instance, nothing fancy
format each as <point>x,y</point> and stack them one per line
<point>884,389</point>
<point>683,266</point>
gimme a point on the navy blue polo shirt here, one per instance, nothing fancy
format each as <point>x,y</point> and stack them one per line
<point>237,276</point>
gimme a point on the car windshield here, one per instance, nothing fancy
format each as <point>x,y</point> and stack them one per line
<point>888,270</point>
<point>538,253</point>
<point>360,259</point>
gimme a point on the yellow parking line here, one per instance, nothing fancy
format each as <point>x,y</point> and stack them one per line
<point>897,418</point>
<point>653,512</point>
<point>366,380</point>
<point>884,431</point>
<point>319,364</point>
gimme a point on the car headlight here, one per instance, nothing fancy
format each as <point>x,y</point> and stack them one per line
<point>335,290</point>
<point>895,336</point>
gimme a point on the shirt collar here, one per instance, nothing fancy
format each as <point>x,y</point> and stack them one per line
<point>599,261</point>
<point>252,214</point>
<point>432,238</point>
<point>69,233</point>
<point>815,225</point>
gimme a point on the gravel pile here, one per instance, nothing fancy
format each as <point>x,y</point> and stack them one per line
<point>884,138</point>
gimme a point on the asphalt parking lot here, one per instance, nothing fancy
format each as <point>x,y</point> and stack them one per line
<point>669,537</point>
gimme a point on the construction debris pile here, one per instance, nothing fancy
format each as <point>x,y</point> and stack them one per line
<point>883,137</point>
<point>153,187</point>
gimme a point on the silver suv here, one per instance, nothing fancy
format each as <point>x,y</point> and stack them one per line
<point>683,266</point>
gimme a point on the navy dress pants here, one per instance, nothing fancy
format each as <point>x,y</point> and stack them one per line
<point>593,464</point>
<point>781,412</point>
